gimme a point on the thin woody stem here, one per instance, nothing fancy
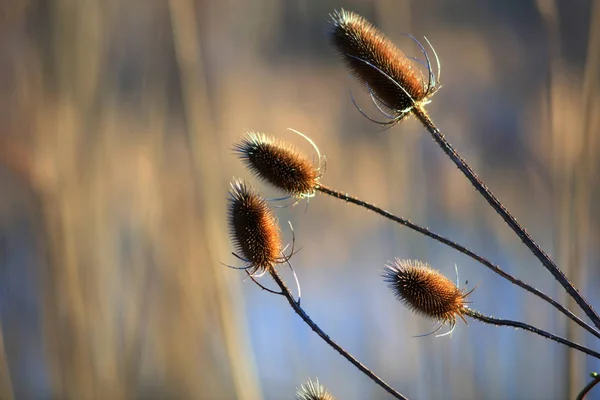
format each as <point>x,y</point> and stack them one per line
<point>589,386</point>
<point>440,139</point>
<point>521,325</point>
<point>294,304</point>
<point>350,199</point>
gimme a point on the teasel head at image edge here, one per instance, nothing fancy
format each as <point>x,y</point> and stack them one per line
<point>392,78</point>
<point>253,228</point>
<point>313,391</point>
<point>280,164</point>
<point>426,291</point>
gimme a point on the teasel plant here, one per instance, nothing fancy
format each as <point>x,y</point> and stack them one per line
<point>313,391</point>
<point>429,293</point>
<point>398,88</point>
<point>414,283</point>
<point>286,168</point>
<point>254,231</point>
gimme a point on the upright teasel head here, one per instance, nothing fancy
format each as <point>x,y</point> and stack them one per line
<point>281,164</point>
<point>253,229</point>
<point>313,391</point>
<point>426,291</point>
<point>393,80</point>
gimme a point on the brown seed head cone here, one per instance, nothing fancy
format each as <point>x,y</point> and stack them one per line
<point>365,50</point>
<point>279,164</point>
<point>425,290</point>
<point>313,391</point>
<point>253,227</point>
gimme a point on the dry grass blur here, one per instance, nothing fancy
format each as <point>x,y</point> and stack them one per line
<point>116,125</point>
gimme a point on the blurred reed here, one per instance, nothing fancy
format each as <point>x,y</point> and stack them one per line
<point>134,301</point>
<point>115,120</point>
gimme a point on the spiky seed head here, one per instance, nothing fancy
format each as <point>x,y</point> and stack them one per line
<point>253,228</point>
<point>313,391</point>
<point>279,163</point>
<point>425,290</point>
<point>374,59</point>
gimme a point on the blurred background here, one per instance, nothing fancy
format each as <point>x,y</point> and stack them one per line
<point>117,120</point>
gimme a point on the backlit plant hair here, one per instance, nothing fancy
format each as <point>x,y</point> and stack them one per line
<point>427,292</point>
<point>253,229</point>
<point>313,391</point>
<point>280,153</point>
<point>255,234</point>
<point>393,80</point>
<point>281,164</point>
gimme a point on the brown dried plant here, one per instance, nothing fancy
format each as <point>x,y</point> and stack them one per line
<point>426,291</point>
<point>398,88</point>
<point>254,232</point>
<point>280,164</point>
<point>392,79</point>
<point>253,229</point>
<point>313,391</point>
<point>358,40</point>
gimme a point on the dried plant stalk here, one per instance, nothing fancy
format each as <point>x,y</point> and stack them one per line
<point>369,54</point>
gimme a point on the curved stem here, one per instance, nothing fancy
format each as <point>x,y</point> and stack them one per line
<point>346,197</point>
<point>516,324</point>
<point>440,139</point>
<point>6,389</point>
<point>288,295</point>
<point>588,387</point>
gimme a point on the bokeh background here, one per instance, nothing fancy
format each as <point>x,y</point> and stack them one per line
<point>117,120</point>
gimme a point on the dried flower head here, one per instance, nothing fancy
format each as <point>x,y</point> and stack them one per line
<point>392,78</point>
<point>313,391</point>
<point>280,164</point>
<point>253,228</point>
<point>426,291</point>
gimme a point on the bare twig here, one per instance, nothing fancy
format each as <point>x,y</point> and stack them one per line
<point>516,324</point>
<point>346,197</point>
<point>440,139</point>
<point>294,304</point>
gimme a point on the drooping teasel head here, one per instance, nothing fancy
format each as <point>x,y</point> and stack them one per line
<point>313,391</point>
<point>253,228</point>
<point>393,79</point>
<point>426,291</point>
<point>280,164</point>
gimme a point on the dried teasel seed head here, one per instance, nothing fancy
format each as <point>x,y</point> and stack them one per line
<point>253,228</point>
<point>280,164</point>
<point>313,391</point>
<point>425,290</point>
<point>394,79</point>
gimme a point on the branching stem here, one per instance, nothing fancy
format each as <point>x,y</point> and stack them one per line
<point>521,325</point>
<point>350,199</point>
<point>440,139</point>
<point>300,311</point>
